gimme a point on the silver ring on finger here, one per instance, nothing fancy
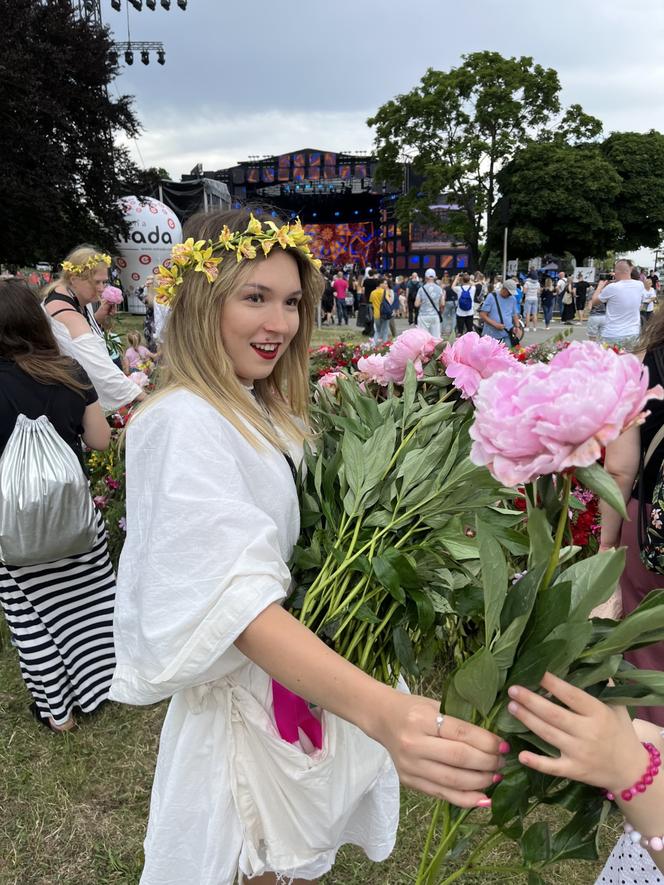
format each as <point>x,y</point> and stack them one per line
<point>439,723</point>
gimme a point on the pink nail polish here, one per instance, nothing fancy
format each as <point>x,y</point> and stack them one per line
<point>497,778</point>
<point>504,747</point>
<point>484,803</point>
<point>512,707</point>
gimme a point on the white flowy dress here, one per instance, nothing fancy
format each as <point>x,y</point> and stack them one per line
<point>211,524</point>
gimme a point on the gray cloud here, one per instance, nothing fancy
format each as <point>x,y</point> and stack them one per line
<point>261,78</point>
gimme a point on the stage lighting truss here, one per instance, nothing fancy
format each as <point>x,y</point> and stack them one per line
<point>144,47</point>
<point>116,5</point>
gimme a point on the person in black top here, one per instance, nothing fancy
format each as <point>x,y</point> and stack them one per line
<point>623,459</point>
<point>65,662</point>
<point>580,295</point>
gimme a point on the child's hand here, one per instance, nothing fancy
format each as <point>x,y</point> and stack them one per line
<point>598,744</point>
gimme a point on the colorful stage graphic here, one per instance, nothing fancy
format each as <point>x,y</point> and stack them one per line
<point>344,243</point>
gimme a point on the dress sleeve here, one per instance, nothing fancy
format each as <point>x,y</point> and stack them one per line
<point>202,557</point>
<point>112,385</point>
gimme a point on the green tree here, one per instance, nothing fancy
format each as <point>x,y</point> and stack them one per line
<point>561,198</point>
<point>638,158</point>
<point>60,167</point>
<point>459,127</point>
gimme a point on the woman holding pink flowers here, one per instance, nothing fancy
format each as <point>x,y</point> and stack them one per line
<point>251,780</point>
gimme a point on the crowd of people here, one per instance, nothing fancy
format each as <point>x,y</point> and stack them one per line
<point>195,613</point>
<point>615,309</point>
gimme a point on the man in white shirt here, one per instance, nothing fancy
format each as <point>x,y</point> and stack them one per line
<point>622,298</point>
<point>561,285</point>
<point>430,302</point>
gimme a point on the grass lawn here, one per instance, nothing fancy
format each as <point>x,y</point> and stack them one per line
<point>73,808</point>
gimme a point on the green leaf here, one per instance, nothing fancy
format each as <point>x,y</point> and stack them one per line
<point>533,664</point>
<point>539,533</point>
<point>477,681</point>
<point>576,840</point>
<point>494,579</point>
<point>377,452</point>
<point>409,391</point>
<point>353,461</point>
<point>647,621</point>
<point>404,567</point>
<point>456,706</point>
<point>575,636</point>
<point>551,609</point>
<point>388,577</point>
<point>510,797</point>
<point>364,613</point>
<point>515,615</point>
<point>535,878</point>
<point>425,614</point>
<point>404,650</point>
<point>593,580</point>
<point>603,484</point>
<point>536,843</point>
<point>584,677</point>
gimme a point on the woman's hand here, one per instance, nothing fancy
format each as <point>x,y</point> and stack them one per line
<point>598,743</point>
<point>456,761</point>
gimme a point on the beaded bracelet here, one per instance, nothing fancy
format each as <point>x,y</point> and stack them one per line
<point>654,843</point>
<point>646,778</point>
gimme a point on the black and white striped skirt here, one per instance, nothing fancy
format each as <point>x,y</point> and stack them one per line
<point>60,615</point>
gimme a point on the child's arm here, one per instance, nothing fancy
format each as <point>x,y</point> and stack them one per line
<point>598,745</point>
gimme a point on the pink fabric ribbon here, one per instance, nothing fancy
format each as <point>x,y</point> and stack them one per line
<point>291,712</point>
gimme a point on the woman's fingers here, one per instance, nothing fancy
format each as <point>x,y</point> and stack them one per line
<point>471,799</point>
<point>448,777</point>
<point>453,729</point>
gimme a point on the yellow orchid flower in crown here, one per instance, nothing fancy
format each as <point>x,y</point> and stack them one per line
<point>181,252</point>
<point>284,238</point>
<point>297,232</point>
<point>226,238</point>
<point>245,250</point>
<point>254,226</point>
<point>210,269</point>
<point>266,246</point>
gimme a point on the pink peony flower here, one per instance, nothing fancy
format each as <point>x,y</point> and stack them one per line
<point>471,358</point>
<point>546,418</point>
<point>112,294</point>
<point>373,368</point>
<point>140,378</point>
<point>329,380</point>
<point>412,346</point>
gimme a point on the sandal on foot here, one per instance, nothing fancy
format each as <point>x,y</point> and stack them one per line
<point>49,723</point>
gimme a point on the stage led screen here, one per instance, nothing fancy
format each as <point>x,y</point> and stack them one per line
<point>314,158</point>
<point>267,174</point>
<point>252,175</point>
<point>344,243</point>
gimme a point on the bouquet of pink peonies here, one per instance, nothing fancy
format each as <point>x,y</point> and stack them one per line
<point>413,553</point>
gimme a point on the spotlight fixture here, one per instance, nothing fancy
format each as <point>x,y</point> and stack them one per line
<point>145,57</point>
<point>117,5</point>
<point>129,57</point>
<point>161,57</point>
<point>166,4</point>
<point>151,4</point>
<point>137,4</point>
<point>182,4</point>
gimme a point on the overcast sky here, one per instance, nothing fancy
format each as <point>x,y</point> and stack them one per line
<point>265,78</point>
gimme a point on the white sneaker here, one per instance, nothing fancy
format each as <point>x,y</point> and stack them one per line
<point>534,328</point>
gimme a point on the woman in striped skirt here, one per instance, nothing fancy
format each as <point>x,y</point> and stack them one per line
<point>60,613</point>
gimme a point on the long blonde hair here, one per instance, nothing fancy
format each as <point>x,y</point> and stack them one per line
<point>78,255</point>
<point>195,357</point>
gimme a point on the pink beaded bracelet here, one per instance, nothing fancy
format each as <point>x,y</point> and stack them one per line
<point>646,778</point>
<point>654,843</point>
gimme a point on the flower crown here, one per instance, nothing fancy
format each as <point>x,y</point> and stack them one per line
<point>203,256</point>
<point>92,262</point>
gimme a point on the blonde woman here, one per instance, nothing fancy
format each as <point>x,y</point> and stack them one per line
<point>78,330</point>
<point>212,517</point>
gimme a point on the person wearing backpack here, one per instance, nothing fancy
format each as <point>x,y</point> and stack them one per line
<point>465,309</point>
<point>636,461</point>
<point>430,302</point>
<point>59,611</point>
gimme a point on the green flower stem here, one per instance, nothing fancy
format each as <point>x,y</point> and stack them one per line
<point>446,844</point>
<point>373,636</point>
<point>488,869</point>
<point>429,838</point>
<point>352,614</point>
<point>560,532</point>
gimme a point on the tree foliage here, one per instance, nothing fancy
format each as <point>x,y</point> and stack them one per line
<point>60,171</point>
<point>638,158</point>
<point>587,198</point>
<point>459,127</point>
<point>561,198</point>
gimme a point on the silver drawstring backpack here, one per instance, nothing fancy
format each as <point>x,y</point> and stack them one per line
<point>46,510</point>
